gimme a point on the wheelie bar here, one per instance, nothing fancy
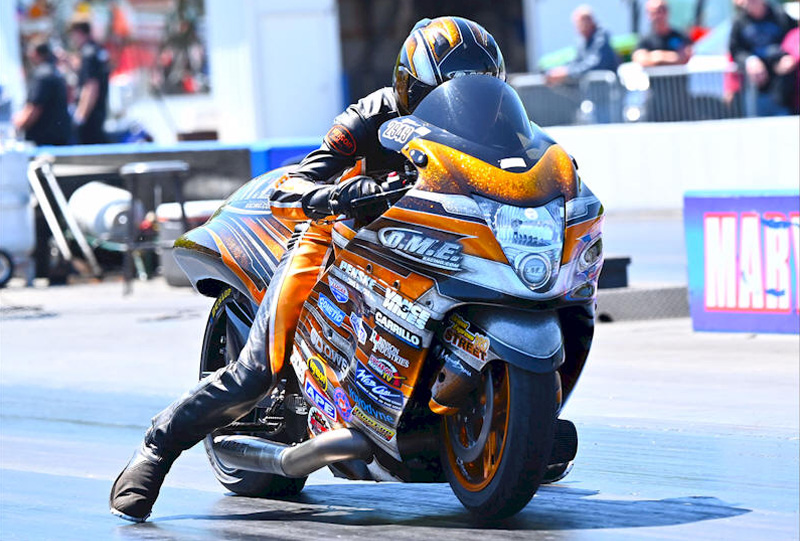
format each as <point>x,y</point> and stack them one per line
<point>257,454</point>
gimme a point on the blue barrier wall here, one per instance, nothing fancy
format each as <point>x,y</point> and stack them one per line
<point>264,155</point>
<point>744,254</point>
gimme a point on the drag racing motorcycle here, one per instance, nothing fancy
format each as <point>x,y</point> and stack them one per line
<point>430,348</point>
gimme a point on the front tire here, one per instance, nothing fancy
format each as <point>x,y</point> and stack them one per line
<point>495,450</point>
<point>226,334</point>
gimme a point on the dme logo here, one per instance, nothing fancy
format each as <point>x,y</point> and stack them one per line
<point>760,278</point>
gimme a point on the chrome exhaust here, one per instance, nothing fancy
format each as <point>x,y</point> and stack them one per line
<point>257,454</point>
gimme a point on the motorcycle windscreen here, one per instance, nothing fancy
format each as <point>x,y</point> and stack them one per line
<point>482,116</point>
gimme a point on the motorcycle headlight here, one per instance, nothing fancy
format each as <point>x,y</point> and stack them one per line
<point>532,238</point>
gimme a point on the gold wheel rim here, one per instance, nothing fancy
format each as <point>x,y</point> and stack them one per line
<point>475,448</point>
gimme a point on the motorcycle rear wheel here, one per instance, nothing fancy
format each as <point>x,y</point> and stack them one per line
<point>495,450</point>
<point>226,333</point>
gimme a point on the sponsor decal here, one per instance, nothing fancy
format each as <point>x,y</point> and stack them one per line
<point>458,335</point>
<point>357,276</point>
<point>405,309</point>
<point>339,361</point>
<point>358,326</point>
<point>368,408</point>
<point>383,431</point>
<point>317,423</point>
<point>396,329</point>
<point>387,349</point>
<point>338,290</point>
<point>331,311</point>
<point>298,364</point>
<point>317,369</point>
<point>414,245</point>
<point>320,400</point>
<point>385,370</point>
<point>342,404</point>
<point>340,139</point>
<point>376,389</point>
<point>399,131</point>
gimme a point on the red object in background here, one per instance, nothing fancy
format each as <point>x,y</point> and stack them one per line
<point>697,32</point>
<point>732,81</point>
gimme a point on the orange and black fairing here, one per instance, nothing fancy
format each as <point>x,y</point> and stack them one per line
<point>497,187</point>
<point>242,243</point>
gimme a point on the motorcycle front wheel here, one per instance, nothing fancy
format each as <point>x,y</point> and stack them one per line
<point>226,334</point>
<point>495,449</point>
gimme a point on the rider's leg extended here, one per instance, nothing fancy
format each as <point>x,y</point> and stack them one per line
<point>231,391</point>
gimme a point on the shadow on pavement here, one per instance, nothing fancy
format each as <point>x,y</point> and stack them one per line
<point>434,506</point>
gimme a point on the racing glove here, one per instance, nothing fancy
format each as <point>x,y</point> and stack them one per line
<point>331,200</point>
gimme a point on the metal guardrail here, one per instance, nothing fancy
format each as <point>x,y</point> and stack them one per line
<point>595,99</point>
<point>694,91</point>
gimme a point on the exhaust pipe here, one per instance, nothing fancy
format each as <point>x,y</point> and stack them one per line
<point>257,454</point>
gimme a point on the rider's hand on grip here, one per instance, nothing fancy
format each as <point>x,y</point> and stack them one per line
<point>348,198</point>
<point>351,198</point>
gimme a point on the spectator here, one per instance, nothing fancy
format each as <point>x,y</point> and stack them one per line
<point>791,45</point>
<point>90,113</point>
<point>45,118</point>
<point>668,100</point>
<point>663,46</point>
<point>755,44</point>
<point>594,50</point>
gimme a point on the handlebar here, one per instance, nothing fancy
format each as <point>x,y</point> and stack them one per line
<point>391,197</point>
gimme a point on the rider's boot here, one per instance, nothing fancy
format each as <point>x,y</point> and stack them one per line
<point>216,401</point>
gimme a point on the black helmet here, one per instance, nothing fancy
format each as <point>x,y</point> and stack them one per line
<point>438,50</point>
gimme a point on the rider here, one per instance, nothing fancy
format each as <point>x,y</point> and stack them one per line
<point>436,50</point>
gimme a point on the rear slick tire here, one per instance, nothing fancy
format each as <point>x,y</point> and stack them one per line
<point>226,333</point>
<point>495,450</point>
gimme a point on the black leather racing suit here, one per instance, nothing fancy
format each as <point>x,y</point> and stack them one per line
<point>234,390</point>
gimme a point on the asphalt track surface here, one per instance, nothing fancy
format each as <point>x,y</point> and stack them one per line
<point>682,436</point>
